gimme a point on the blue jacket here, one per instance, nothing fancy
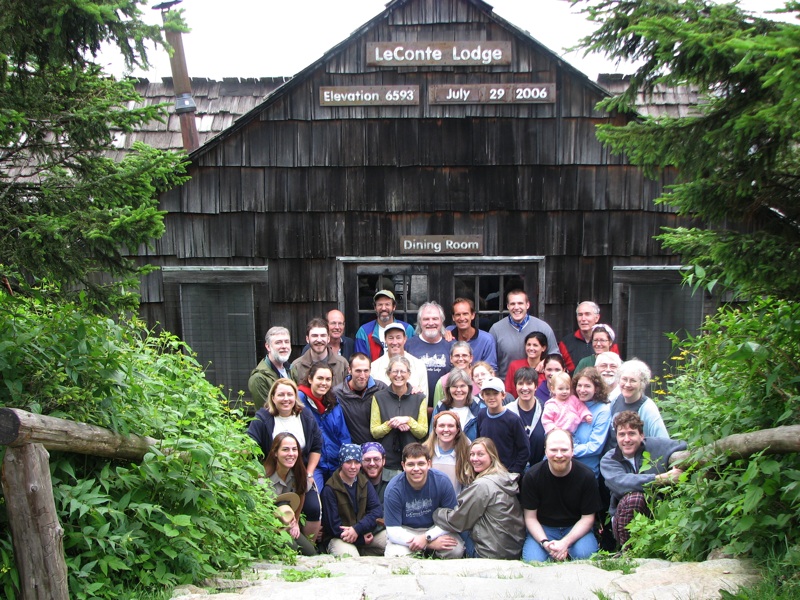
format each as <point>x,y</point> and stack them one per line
<point>542,392</point>
<point>484,348</point>
<point>334,431</point>
<point>367,341</point>
<point>590,438</point>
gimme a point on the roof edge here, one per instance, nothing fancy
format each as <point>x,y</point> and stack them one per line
<point>383,15</point>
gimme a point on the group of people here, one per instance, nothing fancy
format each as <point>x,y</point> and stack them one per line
<point>455,441</point>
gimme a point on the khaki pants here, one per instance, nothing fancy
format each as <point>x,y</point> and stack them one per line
<point>337,547</point>
<point>400,550</point>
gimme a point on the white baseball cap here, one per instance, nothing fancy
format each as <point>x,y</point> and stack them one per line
<point>493,383</point>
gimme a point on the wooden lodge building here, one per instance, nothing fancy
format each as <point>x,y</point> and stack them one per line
<point>439,151</point>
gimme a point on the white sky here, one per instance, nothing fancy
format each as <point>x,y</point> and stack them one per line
<point>260,38</point>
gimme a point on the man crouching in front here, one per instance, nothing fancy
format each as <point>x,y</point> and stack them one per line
<point>409,503</point>
<point>560,498</point>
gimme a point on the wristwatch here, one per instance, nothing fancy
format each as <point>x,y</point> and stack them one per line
<point>543,542</point>
<point>429,538</point>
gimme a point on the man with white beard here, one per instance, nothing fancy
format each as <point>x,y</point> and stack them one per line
<point>274,366</point>
<point>607,364</point>
<point>430,346</point>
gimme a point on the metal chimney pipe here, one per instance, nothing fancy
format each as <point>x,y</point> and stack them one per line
<point>185,106</point>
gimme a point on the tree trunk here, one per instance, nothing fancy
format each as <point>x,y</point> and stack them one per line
<point>779,440</point>
<point>35,530</point>
<point>18,427</point>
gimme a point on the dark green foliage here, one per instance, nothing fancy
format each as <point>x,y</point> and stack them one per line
<point>742,374</point>
<point>738,160</point>
<point>190,508</point>
<point>68,214</point>
<point>70,32</point>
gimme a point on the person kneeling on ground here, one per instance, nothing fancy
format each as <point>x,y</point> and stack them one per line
<point>410,501</point>
<point>626,471</point>
<point>351,509</point>
<point>287,474</point>
<point>560,498</point>
<point>488,514</point>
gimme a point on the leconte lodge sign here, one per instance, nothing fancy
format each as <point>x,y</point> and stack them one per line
<point>397,54</point>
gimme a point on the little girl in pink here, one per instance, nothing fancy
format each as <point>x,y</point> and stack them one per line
<point>564,410</point>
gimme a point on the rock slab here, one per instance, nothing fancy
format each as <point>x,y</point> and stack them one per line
<point>375,578</point>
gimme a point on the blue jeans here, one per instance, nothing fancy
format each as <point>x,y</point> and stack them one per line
<point>321,477</point>
<point>469,545</point>
<point>582,548</point>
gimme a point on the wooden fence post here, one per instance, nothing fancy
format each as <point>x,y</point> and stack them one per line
<point>35,530</point>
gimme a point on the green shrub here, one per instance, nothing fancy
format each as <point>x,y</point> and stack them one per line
<point>192,507</point>
<point>742,374</point>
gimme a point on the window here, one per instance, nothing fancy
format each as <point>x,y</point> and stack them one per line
<point>409,290</point>
<point>485,281</point>
<point>218,325</point>
<point>488,293</point>
<point>216,310</point>
<point>649,303</point>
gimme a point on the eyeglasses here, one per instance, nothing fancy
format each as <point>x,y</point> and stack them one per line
<point>398,372</point>
<point>371,461</point>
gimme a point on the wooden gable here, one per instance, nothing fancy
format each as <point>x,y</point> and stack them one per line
<point>295,185</point>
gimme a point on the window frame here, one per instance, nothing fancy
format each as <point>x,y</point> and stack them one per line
<point>174,277</point>
<point>419,265</point>
<point>624,278</point>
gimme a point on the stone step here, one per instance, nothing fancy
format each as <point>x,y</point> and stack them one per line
<point>377,578</point>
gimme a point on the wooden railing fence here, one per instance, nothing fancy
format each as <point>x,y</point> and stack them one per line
<point>35,529</point>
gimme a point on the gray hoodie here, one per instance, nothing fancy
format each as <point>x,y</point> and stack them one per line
<point>490,510</point>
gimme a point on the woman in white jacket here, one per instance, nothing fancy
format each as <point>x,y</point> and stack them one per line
<point>488,515</point>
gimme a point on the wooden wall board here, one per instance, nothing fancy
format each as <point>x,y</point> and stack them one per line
<point>298,185</point>
<point>301,280</point>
